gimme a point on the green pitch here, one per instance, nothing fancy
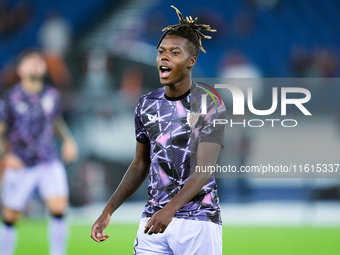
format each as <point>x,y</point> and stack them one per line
<point>236,240</point>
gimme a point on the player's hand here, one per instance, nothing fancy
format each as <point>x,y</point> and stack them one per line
<point>97,232</point>
<point>69,151</point>
<point>158,222</point>
<point>12,161</point>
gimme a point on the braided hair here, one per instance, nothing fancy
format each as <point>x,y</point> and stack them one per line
<point>188,29</point>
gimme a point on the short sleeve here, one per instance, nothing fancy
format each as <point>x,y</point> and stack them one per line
<point>212,132</point>
<point>141,133</point>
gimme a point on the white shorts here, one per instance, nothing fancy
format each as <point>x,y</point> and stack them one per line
<point>18,184</point>
<point>182,237</point>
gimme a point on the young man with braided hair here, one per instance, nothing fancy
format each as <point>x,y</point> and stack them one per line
<point>182,214</point>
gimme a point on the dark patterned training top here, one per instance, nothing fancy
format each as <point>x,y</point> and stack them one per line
<point>174,127</point>
<point>30,123</point>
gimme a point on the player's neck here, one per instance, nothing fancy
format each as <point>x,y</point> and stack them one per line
<point>32,86</point>
<point>178,89</point>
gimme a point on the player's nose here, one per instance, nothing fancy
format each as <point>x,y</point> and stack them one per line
<point>165,57</point>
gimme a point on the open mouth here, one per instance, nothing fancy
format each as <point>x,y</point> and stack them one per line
<point>164,71</point>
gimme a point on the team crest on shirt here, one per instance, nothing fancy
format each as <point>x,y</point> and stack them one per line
<point>192,118</point>
<point>152,118</point>
<point>47,104</point>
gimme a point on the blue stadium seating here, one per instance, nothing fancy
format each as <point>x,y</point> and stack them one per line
<point>80,15</point>
<point>307,23</point>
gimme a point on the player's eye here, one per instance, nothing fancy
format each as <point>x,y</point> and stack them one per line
<point>160,52</point>
<point>175,53</point>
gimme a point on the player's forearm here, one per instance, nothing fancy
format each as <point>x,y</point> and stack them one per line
<point>62,130</point>
<point>2,140</point>
<point>207,154</point>
<point>191,188</point>
<point>2,148</point>
<point>133,178</point>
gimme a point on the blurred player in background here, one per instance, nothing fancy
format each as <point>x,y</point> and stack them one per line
<point>29,118</point>
<point>182,214</point>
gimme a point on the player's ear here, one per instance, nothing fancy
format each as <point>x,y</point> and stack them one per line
<point>192,61</point>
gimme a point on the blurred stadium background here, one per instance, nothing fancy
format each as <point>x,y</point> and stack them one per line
<point>101,55</point>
